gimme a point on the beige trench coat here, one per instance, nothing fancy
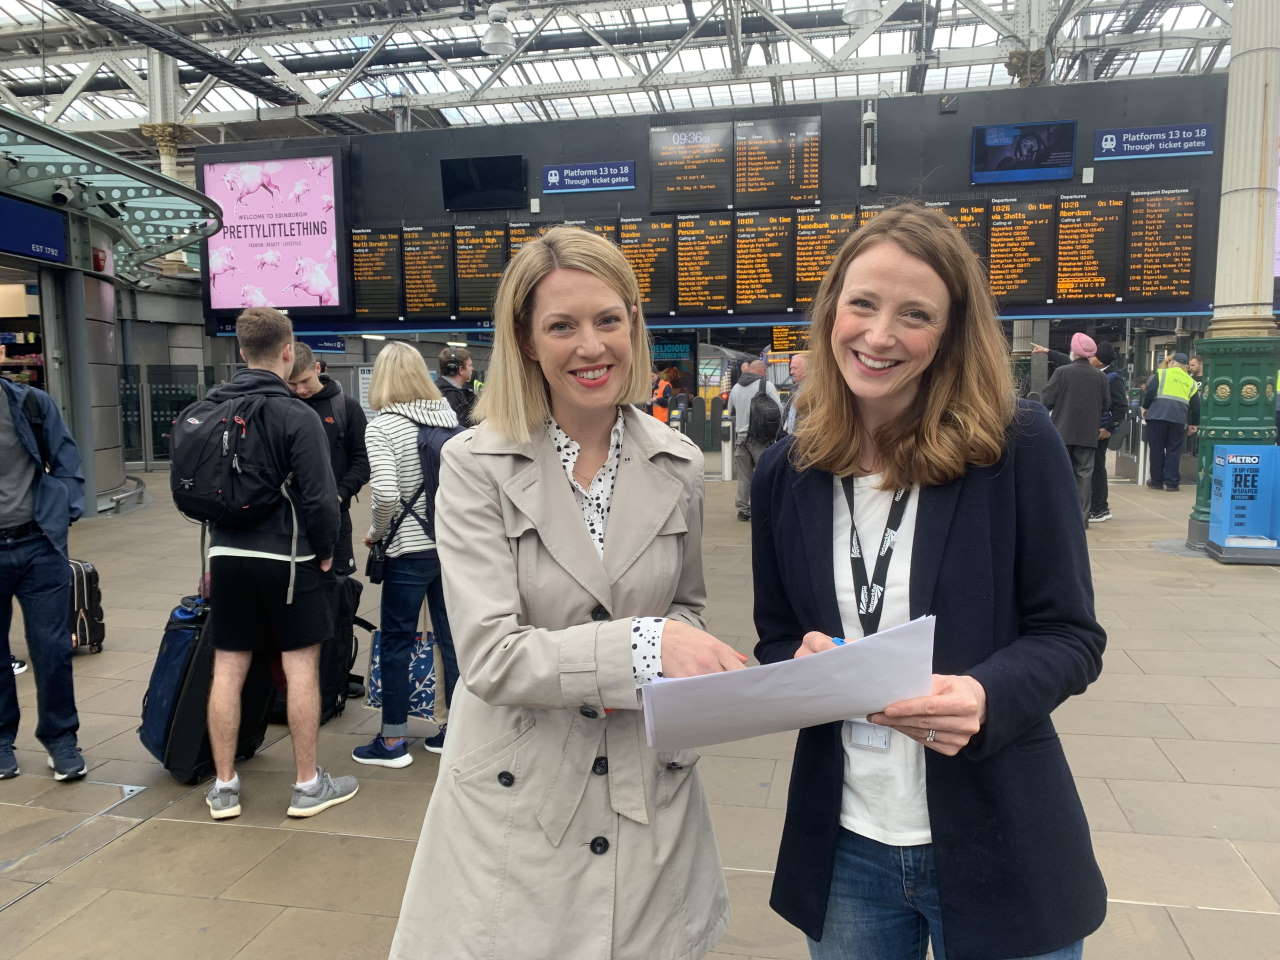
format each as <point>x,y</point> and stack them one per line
<point>554,832</point>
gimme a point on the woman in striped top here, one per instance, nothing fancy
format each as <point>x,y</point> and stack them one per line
<point>406,399</point>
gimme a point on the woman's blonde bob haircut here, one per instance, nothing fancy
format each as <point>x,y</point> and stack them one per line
<point>515,399</point>
<point>400,376</point>
<point>965,401</point>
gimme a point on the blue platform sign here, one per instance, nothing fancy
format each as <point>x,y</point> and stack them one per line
<point>1244,510</point>
<point>589,177</point>
<point>31,230</point>
<point>1154,143</point>
<point>322,343</point>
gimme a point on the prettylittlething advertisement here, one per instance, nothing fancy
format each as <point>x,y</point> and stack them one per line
<point>278,246</point>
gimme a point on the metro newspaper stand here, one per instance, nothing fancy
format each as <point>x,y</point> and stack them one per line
<point>1244,515</point>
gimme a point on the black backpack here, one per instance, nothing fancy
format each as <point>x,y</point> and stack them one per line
<point>222,470</point>
<point>765,421</point>
<point>431,440</point>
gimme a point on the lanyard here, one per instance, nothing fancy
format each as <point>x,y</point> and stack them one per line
<point>871,594</point>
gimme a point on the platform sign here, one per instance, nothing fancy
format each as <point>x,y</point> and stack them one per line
<point>1154,143</point>
<point>1244,511</point>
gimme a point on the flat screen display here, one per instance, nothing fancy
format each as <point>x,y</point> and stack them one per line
<point>484,183</point>
<point>278,246</point>
<point>376,277</point>
<point>1090,247</point>
<point>691,167</point>
<point>427,254</point>
<point>1022,152</point>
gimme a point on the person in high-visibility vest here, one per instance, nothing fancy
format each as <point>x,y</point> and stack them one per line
<point>1171,408</point>
<point>664,392</point>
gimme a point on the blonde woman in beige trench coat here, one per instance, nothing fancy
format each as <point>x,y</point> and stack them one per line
<point>554,832</point>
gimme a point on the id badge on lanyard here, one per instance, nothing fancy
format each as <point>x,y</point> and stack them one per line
<point>860,733</point>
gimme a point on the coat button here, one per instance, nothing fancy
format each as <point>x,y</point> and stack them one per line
<point>588,712</point>
<point>599,613</point>
<point>506,778</point>
<point>599,846</point>
<point>601,766</point>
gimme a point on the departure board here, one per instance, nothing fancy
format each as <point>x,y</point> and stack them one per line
<point>518,234</point>
<point>1020,265</point>
<point>479,257</point>
<point>869,211</point>
<point>970,218</point>
<point>604,228</point>
<point>428,272</point>
<point>763,261</point>
<point>1090,247</point>
<point>789,339</point>
<point>649,244</point>
<point>375,273</point>
<point>777,162</point>
<point>691,167</point>
<point>704,262</point>
<point>819,233</point>
<point>1161,248</point>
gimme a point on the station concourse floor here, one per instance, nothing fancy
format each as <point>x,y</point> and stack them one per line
<point>1176,752</point>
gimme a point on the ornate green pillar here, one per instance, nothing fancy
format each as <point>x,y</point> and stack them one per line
<point>1237,406</point>
<point>1242,351</point>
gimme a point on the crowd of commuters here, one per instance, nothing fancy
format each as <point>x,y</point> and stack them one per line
<point>552,528</point>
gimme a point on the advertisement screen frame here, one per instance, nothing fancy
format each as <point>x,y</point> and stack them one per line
<point>1031,174</point>
<point>337,154</point>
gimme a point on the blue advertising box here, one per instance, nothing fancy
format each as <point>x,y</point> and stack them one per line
<point>1244,511</point>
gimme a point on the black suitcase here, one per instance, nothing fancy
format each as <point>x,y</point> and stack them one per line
<point>337,655</point>
<point>174,710</point>
<point>88,627</point>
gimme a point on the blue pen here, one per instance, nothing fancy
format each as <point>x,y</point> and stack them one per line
<point>838,641</point>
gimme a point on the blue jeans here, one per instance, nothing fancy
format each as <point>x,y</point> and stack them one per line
<point>33,570</point>
<point>410,579</point>
<point>884,905</point>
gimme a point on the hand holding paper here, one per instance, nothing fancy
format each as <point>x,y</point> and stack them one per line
<point>836,684</point>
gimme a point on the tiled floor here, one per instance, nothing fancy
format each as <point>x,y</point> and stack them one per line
<point>1176,751</point>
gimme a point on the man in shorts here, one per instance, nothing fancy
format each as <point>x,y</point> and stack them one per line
<point>271,583</point>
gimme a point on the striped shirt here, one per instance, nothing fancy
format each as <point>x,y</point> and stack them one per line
<point>396,472</point>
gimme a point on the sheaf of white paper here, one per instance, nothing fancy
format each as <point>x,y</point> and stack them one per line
<point>861,677</point>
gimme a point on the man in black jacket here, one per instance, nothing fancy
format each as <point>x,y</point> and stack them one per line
<point>270,584</point>
<point>1112,417</point>
<point>344,422</point>
<point>1077,395</point>
<point>456,370</point>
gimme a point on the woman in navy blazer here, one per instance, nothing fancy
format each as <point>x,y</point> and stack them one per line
<point>909,396</point>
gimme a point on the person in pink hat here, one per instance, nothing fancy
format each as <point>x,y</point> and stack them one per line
<point>1076,396</point>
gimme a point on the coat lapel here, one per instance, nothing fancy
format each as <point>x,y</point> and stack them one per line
<point>933,523</point>
<point>812,501</point>
<point>541,492</point>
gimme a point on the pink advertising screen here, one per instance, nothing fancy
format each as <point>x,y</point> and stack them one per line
<point>279,243</point>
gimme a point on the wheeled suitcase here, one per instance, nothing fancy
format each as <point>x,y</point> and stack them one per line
<point>174,726</point>
<point>88,627</point>
<point>337,655</point>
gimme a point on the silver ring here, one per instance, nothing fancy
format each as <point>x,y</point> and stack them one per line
<point>932,736</point>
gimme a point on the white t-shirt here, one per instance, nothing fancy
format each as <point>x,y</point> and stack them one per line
<point>884,790</point>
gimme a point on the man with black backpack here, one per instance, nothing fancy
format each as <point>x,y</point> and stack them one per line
<point>757,415</point>
<point>41,495</point>
<point>344,424</point>
<point>251,461</point>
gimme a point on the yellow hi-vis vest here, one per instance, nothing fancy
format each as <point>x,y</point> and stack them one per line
<point>1174,390</point>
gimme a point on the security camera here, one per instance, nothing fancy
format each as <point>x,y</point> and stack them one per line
<point>64,192</point>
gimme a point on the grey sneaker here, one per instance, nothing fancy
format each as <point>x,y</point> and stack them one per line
<point>329,792</point>
<point>67,762</point>
<point>223,804</point>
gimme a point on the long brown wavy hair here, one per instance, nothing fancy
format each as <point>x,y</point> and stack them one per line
<point>965,403</point>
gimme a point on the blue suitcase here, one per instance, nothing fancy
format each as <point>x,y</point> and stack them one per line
<point>174,726</point>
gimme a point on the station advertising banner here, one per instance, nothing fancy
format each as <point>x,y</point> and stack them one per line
<point>282,242</point>
<point>589,177</point>
<point>31,230</point>
<point>1154,143</point>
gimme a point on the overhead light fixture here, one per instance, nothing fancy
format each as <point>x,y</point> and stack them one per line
<point>859,13</point>
<point>372,336</point>
<point>456,343</point>
<point>498,40</point>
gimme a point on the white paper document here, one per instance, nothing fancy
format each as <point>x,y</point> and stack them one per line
<point>859,678</point>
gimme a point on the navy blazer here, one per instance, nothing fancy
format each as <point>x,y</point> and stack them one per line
<point>1000,558</point>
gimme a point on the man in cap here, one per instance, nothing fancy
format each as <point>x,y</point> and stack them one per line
<point>1171,408</point>
<point>1077,396</point>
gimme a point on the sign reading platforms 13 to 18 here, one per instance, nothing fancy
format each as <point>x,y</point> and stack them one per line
<point>1153,143</point>
<point>589,177</point>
